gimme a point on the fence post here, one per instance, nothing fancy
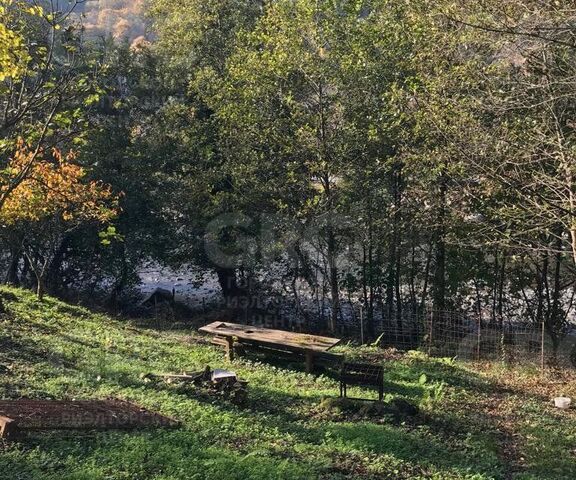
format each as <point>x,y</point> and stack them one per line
<point>430,333</point>
<point>542,360</point>
<point>479,339</point>
<point>361,325</point>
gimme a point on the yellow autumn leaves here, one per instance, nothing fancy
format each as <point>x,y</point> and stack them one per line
<point>36,184</point>
<point>40,187</point>
<point>14,55</point>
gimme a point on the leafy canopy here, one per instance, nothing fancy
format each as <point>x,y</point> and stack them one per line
<point>53,185</point>
<point>14,55</point>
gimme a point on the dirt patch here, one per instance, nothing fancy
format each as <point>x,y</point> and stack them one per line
<point>501,406</point>
<point>351,410</point>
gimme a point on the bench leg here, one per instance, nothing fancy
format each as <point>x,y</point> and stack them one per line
<point>229,349</point>
<point>309,361</point>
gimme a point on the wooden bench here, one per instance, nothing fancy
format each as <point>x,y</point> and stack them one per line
<point>361,374</point>
<point>326,359</point>
<point>230,335</point>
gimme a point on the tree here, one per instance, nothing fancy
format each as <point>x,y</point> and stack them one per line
<point>506,123</point>
<point>52,200</point>
<point>46,81</point>
<point>306,101</point>
<point>47,89</point>
<point>195,39</point>
<point>14,56</point>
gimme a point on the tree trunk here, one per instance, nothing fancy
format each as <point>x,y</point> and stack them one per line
<point>573,242</point>
<point>439,286</point>
<point>228,282</point>
<point>324,155</point>
<point>540,286</point>
<point>39,267</point>
<point>365,282</point>
<point>495,288</point>
<point>54,274</point>
<point>554,323</point>
<point>398,191</point>
<point>500,307</point>
<point>121,281</point>
<point>12,272</point>
<point>426,279</point>
<point>333,273</point>
<point>368,271</point>
<point>237,298</point>
<point>40,287</point>
<point>368,287</point>
<point>412,275</point>
<point>26,278</point>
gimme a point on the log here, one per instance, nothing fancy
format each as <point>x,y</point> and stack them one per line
<point>184,377</point>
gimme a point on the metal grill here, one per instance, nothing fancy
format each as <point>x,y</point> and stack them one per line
<point>362,374</point>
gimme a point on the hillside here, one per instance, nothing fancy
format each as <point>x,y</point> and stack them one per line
<point>285,430</point>
<point>119,18</point>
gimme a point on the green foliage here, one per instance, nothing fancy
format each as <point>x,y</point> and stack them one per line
<point>109,235</point>
<point>441,136</point>
<point>54,350</point>
<point>377,117</point>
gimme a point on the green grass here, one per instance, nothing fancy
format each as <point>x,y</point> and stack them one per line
<point>470,425</point>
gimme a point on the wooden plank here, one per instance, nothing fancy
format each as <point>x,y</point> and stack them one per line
<point>265,336</point>
<point>220,341</point>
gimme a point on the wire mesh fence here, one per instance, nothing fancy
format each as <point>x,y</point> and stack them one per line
<point>452,334</point>
<point>437,333</point>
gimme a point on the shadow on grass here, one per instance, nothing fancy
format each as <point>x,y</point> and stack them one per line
<point>146,454</point>
<point>283,416</point>
<point>16,348</point>
<point>443,449</point>
<point>288,415</point>
<point>220,439</point>
<point>220,447</point>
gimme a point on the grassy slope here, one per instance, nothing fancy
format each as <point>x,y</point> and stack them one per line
<point>492,426</point>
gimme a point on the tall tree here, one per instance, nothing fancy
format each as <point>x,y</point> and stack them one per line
<point>307,100</point>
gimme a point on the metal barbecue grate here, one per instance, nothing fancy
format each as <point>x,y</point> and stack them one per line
<point>362,374</point>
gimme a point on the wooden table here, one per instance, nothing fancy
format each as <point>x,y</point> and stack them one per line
<point>309,345</point>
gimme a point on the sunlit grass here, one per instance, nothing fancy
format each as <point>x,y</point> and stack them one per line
<point>54,350</point>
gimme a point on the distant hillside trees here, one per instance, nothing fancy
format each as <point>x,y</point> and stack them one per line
<point>122,19</point>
